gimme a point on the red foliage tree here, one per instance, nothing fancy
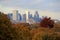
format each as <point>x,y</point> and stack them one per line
<point>47,22</point>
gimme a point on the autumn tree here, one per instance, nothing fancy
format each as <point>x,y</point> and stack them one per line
<point>23,32</point>
<point>7,32</point>
<point>47,22</point>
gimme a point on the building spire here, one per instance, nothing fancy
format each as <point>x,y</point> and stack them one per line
<point>27,15</point>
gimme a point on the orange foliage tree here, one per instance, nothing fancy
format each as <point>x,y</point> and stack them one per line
<point>7,32</point>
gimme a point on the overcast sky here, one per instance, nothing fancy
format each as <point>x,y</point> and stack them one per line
<point>46,7</point>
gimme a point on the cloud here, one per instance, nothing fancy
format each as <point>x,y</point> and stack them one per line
<point>55,15</point>
<point>52,5</point>
<point>34,2</point>
<point>3,0</point>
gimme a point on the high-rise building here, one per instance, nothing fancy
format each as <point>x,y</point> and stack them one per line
<point>27,16</point>
<point>36,16</point>
<point>10,16</point>
<point>15,14</point>
<point>24,18</point>
<point>19,17</point>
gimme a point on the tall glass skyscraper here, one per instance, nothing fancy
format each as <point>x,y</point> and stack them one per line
<point>29,15</point>
<point>16,16</point>
<point>24,18</point>
<point>36,16</point>
<point>10,16</point>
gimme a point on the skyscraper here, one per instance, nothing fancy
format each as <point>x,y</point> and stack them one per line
<point>36,16</point>
<point>27,16</point>
<point>19,17</point>
<point>24,18</point>
<point>15,15</point>
<point>10,16</point>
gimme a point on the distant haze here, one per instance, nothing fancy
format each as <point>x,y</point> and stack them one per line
<point>50,8</point>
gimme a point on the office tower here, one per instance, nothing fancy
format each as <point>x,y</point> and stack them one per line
<point>19,17</point>
<point>10,16</point>
<point>15,15</point>
<point>36,16</point>
<point>40,19</point>
<point>27,16</point>
<point>24,18</point>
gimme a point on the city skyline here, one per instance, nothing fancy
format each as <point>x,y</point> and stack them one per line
<point>50,8</point>
<point>26,18</point>
<point>53,15</point>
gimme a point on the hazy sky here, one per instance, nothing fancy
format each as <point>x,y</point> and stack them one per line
<point>45,7</point>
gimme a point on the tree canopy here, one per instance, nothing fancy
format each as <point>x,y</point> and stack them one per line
<point>6,29</point>
<point>47,22</point>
